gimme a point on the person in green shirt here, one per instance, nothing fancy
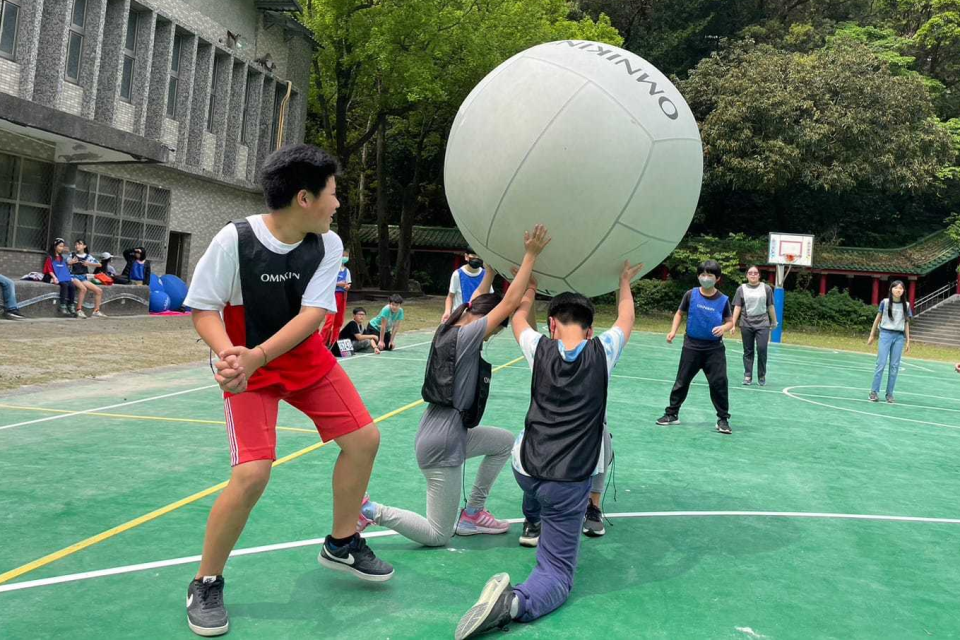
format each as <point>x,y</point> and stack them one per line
<point>387,323</point>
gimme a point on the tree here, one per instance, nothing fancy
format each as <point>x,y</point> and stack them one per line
<point>835,123</point>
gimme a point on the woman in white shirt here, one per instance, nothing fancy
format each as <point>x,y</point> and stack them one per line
<point>894,323</point>
<point>754,313</point>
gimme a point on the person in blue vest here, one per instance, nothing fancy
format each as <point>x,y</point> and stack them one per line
<point>708,318</point>
<point>57,271</point>
<point>463,283</point>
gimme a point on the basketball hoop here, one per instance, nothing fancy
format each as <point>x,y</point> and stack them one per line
<point>789,258</point>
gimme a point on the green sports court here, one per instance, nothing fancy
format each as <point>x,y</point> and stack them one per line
<point>823,515</point>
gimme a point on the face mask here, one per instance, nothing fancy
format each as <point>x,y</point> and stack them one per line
<point>344,260</point>
<point>708,282</point>
<point>475,264</point>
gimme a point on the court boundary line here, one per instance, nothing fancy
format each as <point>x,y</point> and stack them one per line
<point>162,511</point>
<point>787,392</point>
<point>172,562</point>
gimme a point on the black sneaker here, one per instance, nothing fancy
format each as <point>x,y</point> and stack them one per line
<point>492,610</point>
<point>531,534</point>
<point>356,558</point>
<point>668,419</point>
<point>763,382</point>
<point>593,522</point>
<point>14,315</point>
<point>723,426</point>
<point>206,614</point>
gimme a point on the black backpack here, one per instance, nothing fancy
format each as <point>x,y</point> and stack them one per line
<point>438,381</point>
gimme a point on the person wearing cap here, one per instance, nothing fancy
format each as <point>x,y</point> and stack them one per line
<point>105,266</point>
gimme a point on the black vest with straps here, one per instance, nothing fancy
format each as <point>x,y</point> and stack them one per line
<point>273,284</point>
<point>438,380</point>
<point>564,426</point>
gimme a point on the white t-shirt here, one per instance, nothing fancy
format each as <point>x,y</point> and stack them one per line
<point>455,286</point>
<point>216,280</point>
<point>613,343</point>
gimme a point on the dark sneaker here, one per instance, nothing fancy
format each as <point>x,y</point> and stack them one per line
<point>531,534</point>
<point>14,315</point>
<point>889,399</point>
<point>206,614</point>
<point>64,310</point>
<point>356,558</point>
<point>668,419</point>
<point>747,381</point>
<point>593,522</point>
<point>874,397</point>
<point>762,382</point>
<point>72,310</point>
<point>723,426</point>
<point>492,610</point>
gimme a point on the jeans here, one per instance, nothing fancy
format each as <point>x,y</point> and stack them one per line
<point>443,490</point>
<point>9,294</point>
<point>560,508</point>
<point>890,348</point>
<point>755,336</point>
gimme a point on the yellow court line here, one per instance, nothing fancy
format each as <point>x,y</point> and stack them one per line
<point>133,417</point>
<point>153,515</point>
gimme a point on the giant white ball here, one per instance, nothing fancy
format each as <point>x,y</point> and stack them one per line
<point>587,138</point>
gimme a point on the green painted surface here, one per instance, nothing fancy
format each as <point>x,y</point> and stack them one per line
<point>658,577</point>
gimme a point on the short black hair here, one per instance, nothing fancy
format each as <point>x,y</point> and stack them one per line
<point>359,310</point>
<point>293,168</point>
<point>710,266</point>
<point>572,308</point>
<point>396,298</point>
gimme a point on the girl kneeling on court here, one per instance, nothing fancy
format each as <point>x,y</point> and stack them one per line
<point>893,320</point>
<point>455,387</point>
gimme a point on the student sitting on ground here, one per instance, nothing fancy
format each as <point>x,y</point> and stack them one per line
<point>353,332</point>
<point>387,324</point>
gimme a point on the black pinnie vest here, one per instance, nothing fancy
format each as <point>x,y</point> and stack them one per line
<point>564,426</point>
<point>273,284</point>
<point>438,381</point>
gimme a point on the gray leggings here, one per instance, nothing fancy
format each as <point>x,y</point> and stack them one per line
<point>443,490</point>
<point>596,485</point>
<point>755,340</point>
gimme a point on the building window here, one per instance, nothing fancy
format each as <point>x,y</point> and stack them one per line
<point>9,16</point>
<point>244,116</point>
<point>213,93</point>
<point>129,57</point>
<point>119,214</point>
<point>75,40</point>
<point>278,96</point>
<point>24,202</point>
<point>174,85</point>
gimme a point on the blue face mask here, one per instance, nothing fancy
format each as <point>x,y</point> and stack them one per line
<point>344,260</point>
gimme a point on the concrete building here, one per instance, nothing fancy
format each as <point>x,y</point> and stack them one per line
<point>141,123</point>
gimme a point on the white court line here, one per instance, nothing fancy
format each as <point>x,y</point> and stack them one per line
<point>788,393</point>
<point>146,566</point>
<point>897,404</point>
<point>160,397</point>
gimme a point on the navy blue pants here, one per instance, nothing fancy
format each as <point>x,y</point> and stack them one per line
<point>560,508</point>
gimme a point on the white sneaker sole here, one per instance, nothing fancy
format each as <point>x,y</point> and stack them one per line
<point>345,568</point>
<point>667,424</point>
<point>478,613</point>
<point>529,542</point>
<point>208,632</point>
<point>590,533</point>
<point>481,531</point>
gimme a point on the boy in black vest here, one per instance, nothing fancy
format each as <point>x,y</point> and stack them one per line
<point>272,277</point>
<point>560,450</point>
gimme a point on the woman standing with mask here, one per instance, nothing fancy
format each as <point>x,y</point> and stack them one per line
<point>754,313</point>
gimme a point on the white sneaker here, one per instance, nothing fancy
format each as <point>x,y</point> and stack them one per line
<point>98,314</point>
<point>81,314</point>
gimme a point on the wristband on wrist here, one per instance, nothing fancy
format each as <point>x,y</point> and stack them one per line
<point>264,352</point>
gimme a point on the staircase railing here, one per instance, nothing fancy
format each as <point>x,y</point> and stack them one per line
<point>929,301</point>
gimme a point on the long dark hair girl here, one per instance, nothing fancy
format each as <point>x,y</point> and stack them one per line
<point>903,300</point>
<point>479,306</point>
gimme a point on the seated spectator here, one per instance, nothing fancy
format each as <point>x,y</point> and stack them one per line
<point>353,331</point>
<point>387,324</point>
<point>10,309</point>
<point>57,271</point>
<point>105,266</point>
<point>137,270</point>
<point>79,262</point>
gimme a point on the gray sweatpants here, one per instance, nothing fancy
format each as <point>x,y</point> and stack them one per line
<point>443,490</point>
<point>755,340</point>
<point>596,485</point>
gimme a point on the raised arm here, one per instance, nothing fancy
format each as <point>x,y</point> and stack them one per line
<point>524,319</point>
<point>534,243</point>
<point>489,273</point>
<point>626,310</point>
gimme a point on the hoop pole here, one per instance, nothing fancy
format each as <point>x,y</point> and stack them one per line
<point>776,335</point>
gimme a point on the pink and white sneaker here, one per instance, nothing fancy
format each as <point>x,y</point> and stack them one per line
<point>481,523</point>
<point>363,521</point>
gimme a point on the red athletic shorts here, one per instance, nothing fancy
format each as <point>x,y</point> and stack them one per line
<point>332,403</point>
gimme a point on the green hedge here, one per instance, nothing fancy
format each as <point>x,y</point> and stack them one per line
<point>836,310</point>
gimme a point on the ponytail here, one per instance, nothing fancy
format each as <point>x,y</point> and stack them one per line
<point>479,306</point>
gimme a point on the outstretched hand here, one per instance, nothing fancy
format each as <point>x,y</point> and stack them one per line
<point>536,242</point>
<point>629,274</point>
<point>533,278</point>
